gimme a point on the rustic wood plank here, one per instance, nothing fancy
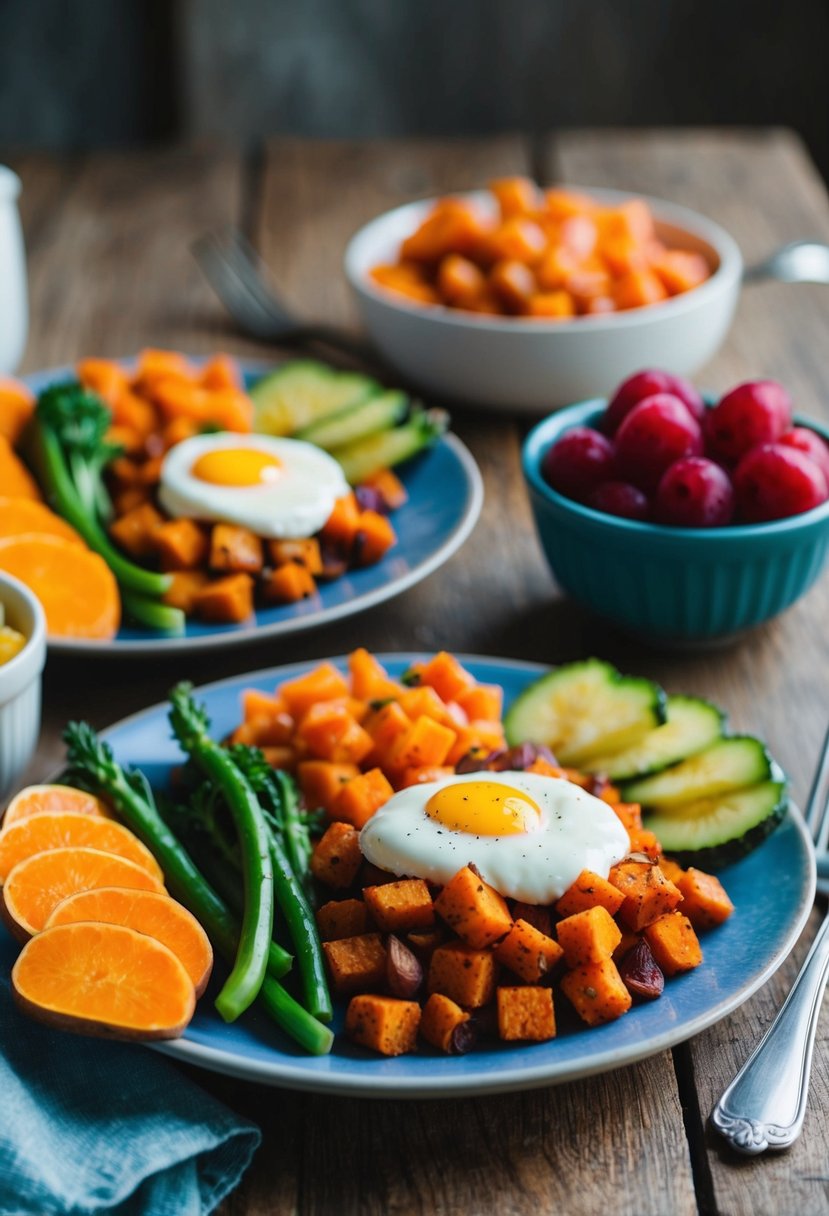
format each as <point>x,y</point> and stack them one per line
<point>764,189</point>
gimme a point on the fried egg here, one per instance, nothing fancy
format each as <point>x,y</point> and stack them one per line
<point>529,836</point>
<point>282,489</point>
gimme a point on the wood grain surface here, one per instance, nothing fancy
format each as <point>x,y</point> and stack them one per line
<point>111,272</point>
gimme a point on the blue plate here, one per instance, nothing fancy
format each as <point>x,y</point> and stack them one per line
<point>445,498</point>
<point>772,890</point>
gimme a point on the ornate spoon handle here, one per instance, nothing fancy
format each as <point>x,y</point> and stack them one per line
<point>765,1104</point>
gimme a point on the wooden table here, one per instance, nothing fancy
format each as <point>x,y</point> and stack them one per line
<point>108,239</point>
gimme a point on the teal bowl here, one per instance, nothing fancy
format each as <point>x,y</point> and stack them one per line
<point>672,585</point>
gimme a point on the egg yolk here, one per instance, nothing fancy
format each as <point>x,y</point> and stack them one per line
<point>484,808</point>
<point>236,467</point>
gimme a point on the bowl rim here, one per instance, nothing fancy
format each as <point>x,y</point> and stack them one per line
<point>538,440</point>
<point>728,272</point>
<point>28,663</point>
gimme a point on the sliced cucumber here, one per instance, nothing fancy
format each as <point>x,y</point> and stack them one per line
<point>585,709</point>
<point>729,764</point>
<point>714,832</point>
<point>299,393</point>
<point>379,413</point>
<point>367,456</point>
<point>691,726</point>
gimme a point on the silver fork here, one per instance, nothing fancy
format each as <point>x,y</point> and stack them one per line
<point>240,279</point>
<point>765,1105</point>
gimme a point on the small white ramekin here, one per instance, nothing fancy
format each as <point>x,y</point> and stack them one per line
<point>20,682</point>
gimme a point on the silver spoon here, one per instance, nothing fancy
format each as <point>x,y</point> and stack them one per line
<point>798,262</point>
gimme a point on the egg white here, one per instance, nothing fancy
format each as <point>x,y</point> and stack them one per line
<point>295,504</point>
<point>576,832</point>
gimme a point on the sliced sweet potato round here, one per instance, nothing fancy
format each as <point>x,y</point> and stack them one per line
<point>37,885</point>
<point>67,830</point>
<point>47,799</point>
<point>76,587</point>
<point>148,912</point>
<point>104,979</point>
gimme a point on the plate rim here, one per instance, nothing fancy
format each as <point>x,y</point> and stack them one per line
<point>175,645</point>
<point>288,1075</point>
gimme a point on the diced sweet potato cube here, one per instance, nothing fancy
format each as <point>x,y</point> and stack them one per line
<point>528,953</point>
<point>181,544</point>
<point>226,600</point>
<point>627,941</point>
<point>638,288</point>
<point>644,841</point>
<point>648,893</point>
<point>402,906</point>
<point>425,944</point>
<point>551,305</point>
<point>235,549</point>
<point>383,1023</point>
<point>445,674</point>
<point>258,704</point>
<point>135,531</point>
<point>465,975</point>
<point>425,742</point>
<point>483,702</point>
<point>671,869</point>
<point>330,732</point>
<point>302,552</point>
<point>484,736</point>
<point>324,683</point>
<point>459,280</point>
<point>423,701</point>
<point>590,891</point>
<point>473,909</point>
<point>267,730</point>
<point>534,914</point>
<point>513,283</point>
<point>704,899</point>
<point>630,814</point>
<point>526,1015</point>
<point>588,937</point>
<point>373,538</point>
<point>184,589</point>
<point>356,963</point>
<point>596,992</point>
<point>674,943</point>
<point>288,584</point>
<point>518,238</point>
<point>387,726</point>
<point>321,781</point>
<point>361,797</point>
<point>515,195</point>
<point>369,679</point>
<point>439,1023</point>
<point>390,488</point>
<point>341,918</point>
<point>336,857</point>
<point>342,524</point>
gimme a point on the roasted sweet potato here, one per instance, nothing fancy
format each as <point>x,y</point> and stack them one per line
<point>588,937</point>
<point>674,943</point>
<point>383,1023</point>
<point>704,899</point>
<point>361,797</point>
<point>403,906</point>
<point>321,781</point>
<point>445,1025</point>
<point>596,992</point>
<point>465,975</point>
<point>526,1014</point>
<point>341,918</point>
<point>473,909</point>
<point>589,891</point>
<point>234,550</point>
<point>181,544</point>
<point>356,963</point>
<point>336,857</point>
<point>529,954</point>
<point>648,893</point>
<point>226,601</point>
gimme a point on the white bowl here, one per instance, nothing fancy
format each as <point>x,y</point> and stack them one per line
<point>535,366</point>
<point>20,682</point>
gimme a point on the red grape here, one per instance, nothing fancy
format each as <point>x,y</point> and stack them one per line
<point>578,461</point>
<point>810,444</point>
<point>658,431</point>
<point>694,493</point>
<point>753,413</point>
<point>645,384</point>
<point>774,480</point>
<point>619,498</point>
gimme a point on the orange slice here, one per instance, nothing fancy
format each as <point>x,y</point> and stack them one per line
<point>26,515</point>
<point>37,885</point>
<point>158,916</point>
<point>76,587</point>
<point>46,799</point>
<point>65,830</point>
<point>104,980</point>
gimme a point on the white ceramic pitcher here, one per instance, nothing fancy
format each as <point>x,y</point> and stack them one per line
<point>14,304</point>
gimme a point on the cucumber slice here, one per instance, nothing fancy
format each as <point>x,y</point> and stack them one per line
<point>714,832</point>
<point>729,764</point>
<point>359,460</point>
<point>585,709</point>
<point>379,413</point>
<point>300,392</point>
<point>691,726</point>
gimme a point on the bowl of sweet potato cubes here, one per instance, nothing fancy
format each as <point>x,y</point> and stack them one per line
<point>522,299</point>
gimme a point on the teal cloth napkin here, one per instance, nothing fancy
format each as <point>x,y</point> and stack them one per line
<point>89,1127</point>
